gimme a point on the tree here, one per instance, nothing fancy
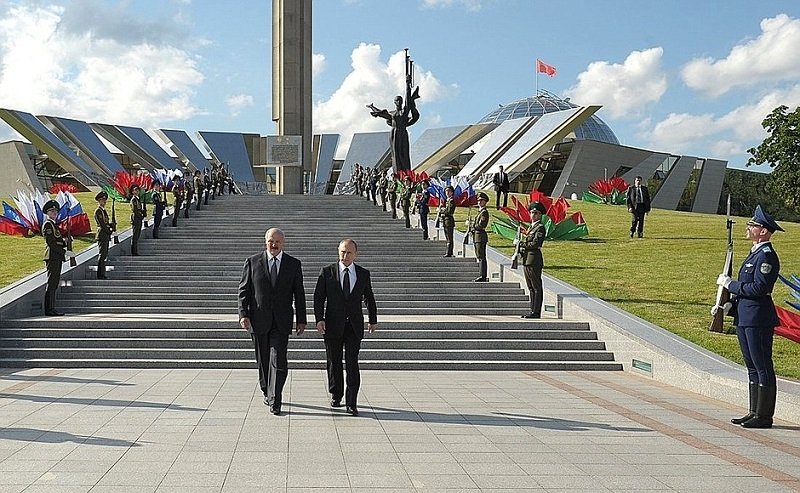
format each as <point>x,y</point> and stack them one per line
<point>781,150</point>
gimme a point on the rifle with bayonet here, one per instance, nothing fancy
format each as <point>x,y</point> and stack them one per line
<point>517,250</point>
<point>114,220</point>
<point>723,295</point>
<point>469,227</point>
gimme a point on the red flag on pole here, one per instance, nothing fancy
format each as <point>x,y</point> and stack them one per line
<point>544,68</point>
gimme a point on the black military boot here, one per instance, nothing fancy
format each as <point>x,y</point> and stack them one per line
<point>753,388</point>
<point>765,408</point>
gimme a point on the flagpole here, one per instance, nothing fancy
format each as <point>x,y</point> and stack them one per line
<point>537,78</point>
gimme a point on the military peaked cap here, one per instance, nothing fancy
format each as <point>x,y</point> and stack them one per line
<point>537,206</point>
<point>761,218</point>
<point>483,196</point>
<point>101,196</point>
<point>50,204</point>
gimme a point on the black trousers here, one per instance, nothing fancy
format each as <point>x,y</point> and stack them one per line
<point>505,199</point>
<point>393,204</point>
<point>756,346</point>
<point>102,257</point>
<point>273,365</point>
<point>448,233</point>
<point>158,215</point>
<point>533,278</point>
<point>188,204</point>
<point>383,200</point>
<point>199,199</point>
<point>175,212</point>
<point>53,279</point>
<point>336,383</point>
<point>137,232</point>
<point>480,254</point>
<point>637,220</point>
<point>407,216</point>
<point>423,221</point>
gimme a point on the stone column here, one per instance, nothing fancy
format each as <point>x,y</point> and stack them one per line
<point>291,83</point>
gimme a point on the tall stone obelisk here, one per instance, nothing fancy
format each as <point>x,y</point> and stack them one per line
<point>291,83</point>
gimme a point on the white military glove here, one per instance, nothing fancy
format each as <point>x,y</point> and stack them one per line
<point>466,223</point>
<point>725,308</point>
<point>69,254</point>
<point>516,241</point>
<point>724,280</point>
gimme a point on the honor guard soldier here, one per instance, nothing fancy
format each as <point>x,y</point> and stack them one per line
<point>755,318</point>
<point>159,204</point>
<point>104,231</point>
<point>373,185</point>
<point>55,253</point>
<point>198,188</point>
<point>405,200</point>
<point>177,195</point>
<point>365,174</point>
<point>189,191</point>
<point>383,183</point>
<point>138,213</point>
<point>391,194</point>
<point>532,261</point>
<point>356,179</point>
<point>422,208</point>
<point>207,185</point>
<point>447,216</point>
<point>480,237</point>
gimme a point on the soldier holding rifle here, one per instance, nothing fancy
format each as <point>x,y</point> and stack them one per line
<point>405,200</point>
<point>531,251</point>
<point>480,237</point>
<point>104,230</point>
<point>446,215</point>
<point>138,212</point>
<point>755,317</point>
<point>55,253</point>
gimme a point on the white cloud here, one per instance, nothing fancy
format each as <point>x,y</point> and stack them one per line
<point>623,89</point>
<point>238,102</point>
<point>772,56</point>
<point>726,136</point>
<point>126,73</point>
<point>318,64</point>
<point>471,5</point>
<point>371,81</point>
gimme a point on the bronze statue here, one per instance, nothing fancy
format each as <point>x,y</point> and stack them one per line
<point>400,119</point>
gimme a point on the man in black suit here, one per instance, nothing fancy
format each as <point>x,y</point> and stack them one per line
<point>501,186</point>
<point>270,281</point>
<point>340,290</point>
<point>638,205</point>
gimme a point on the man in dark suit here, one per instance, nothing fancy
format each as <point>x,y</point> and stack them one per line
<point>638,205</point>
<point>340,290</point>
<point>270,281</point>
<point>501,186</point>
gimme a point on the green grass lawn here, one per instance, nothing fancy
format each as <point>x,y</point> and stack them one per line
<point>23,256</point>
<point>667,278</point>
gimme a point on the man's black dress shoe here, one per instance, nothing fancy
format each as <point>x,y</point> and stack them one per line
<point>336,403</point>
<point>481,279</point>
<point>531,315</point>
<point>54,313</point>
<point>275,410</point>
<point>352,410</point>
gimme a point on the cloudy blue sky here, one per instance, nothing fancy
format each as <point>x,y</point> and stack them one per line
<point>692,77</point>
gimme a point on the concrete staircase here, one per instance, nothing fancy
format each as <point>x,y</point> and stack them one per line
<point>175,305</point>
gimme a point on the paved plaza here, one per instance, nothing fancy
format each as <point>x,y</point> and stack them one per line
<point>207,430</point>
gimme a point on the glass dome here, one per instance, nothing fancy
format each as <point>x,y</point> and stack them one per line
<point>592,129</point>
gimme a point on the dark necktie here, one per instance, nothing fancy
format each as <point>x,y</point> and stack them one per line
<point>273,271</point>
<point>346,283</point>
<point>639,199</point>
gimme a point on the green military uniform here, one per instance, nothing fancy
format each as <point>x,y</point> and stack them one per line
<point>530,250</point>
<point>138,212</point>
<point>383,185</point>
<point>104,231</point>
<point>446,215</point>
<point>177,194</point>
<point>391,195</point>
<point>405,201</point>
<point>481,239</point>
<point>54,255</point>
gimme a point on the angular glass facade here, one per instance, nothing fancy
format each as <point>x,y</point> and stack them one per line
<point>592,129</point>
